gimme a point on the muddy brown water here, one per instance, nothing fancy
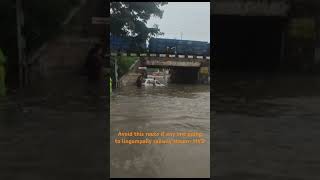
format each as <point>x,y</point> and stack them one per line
<point>175,108</point>
<point>54,130</point>
<point>266,127</point>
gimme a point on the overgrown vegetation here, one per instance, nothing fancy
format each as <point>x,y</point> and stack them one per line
<point>124,64</point>
<point>129,21</point>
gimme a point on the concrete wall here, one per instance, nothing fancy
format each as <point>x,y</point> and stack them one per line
<point>173,62</point>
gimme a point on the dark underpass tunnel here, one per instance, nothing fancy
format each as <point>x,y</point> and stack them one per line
<point>247,43</point>
<point>184,75</point>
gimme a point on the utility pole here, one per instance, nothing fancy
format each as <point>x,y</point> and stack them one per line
<point>116,70</point>
<point>21,44</point>
<point>181,35</point>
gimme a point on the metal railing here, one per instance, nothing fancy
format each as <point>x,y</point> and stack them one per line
<point>159,55</point>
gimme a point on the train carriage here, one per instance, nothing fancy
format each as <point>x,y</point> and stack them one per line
<point>161,46</point>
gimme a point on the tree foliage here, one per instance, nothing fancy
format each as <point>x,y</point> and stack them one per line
<point>129,19</point>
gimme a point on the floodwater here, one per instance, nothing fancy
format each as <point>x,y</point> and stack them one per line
<point>175,108</point>
<point>266,127</point>
<point>54,130</point>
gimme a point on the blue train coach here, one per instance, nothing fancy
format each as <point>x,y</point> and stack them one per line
<point>121,44</point>
<point>183,47</point>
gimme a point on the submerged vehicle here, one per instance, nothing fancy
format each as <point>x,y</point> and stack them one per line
<point>151,82</point>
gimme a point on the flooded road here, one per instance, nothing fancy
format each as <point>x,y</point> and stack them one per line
<point>176,108</point>
<point>266,127</point>
<point>54,130</point>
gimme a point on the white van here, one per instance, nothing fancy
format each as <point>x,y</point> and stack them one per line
<point>151,82</point>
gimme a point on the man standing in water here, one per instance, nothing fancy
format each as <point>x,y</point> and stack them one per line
<point>2,74</point>
<point>139,81</point>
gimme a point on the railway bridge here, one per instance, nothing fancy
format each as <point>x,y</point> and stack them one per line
<point>184,68</point>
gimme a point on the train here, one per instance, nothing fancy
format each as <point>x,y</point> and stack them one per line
<point>174,46</point>
<point>126,44</point>
<point>160,46</point>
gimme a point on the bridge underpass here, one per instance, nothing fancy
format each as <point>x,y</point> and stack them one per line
<point>184,75</point>
<point>182,70</point>
<point>247,43</point>
<point>248,35</point>
<point>266,35</point>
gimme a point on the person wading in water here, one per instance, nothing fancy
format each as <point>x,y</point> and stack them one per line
<point>154,81</point>
<point>139,81</point>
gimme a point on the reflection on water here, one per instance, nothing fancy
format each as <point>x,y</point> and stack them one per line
<point>174,108</point>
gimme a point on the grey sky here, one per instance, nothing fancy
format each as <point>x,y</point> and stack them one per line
<point>190,18</point>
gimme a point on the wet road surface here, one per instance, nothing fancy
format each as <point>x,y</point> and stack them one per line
<point>266,127</point>
<point>55,130</point>
<point>176,108</point>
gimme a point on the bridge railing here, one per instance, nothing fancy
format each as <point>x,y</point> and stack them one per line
<point>160,55</point>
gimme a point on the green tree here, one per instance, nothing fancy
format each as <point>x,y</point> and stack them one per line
<point>129,19</point>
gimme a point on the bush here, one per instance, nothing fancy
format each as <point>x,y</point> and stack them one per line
<point>125,63</point>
